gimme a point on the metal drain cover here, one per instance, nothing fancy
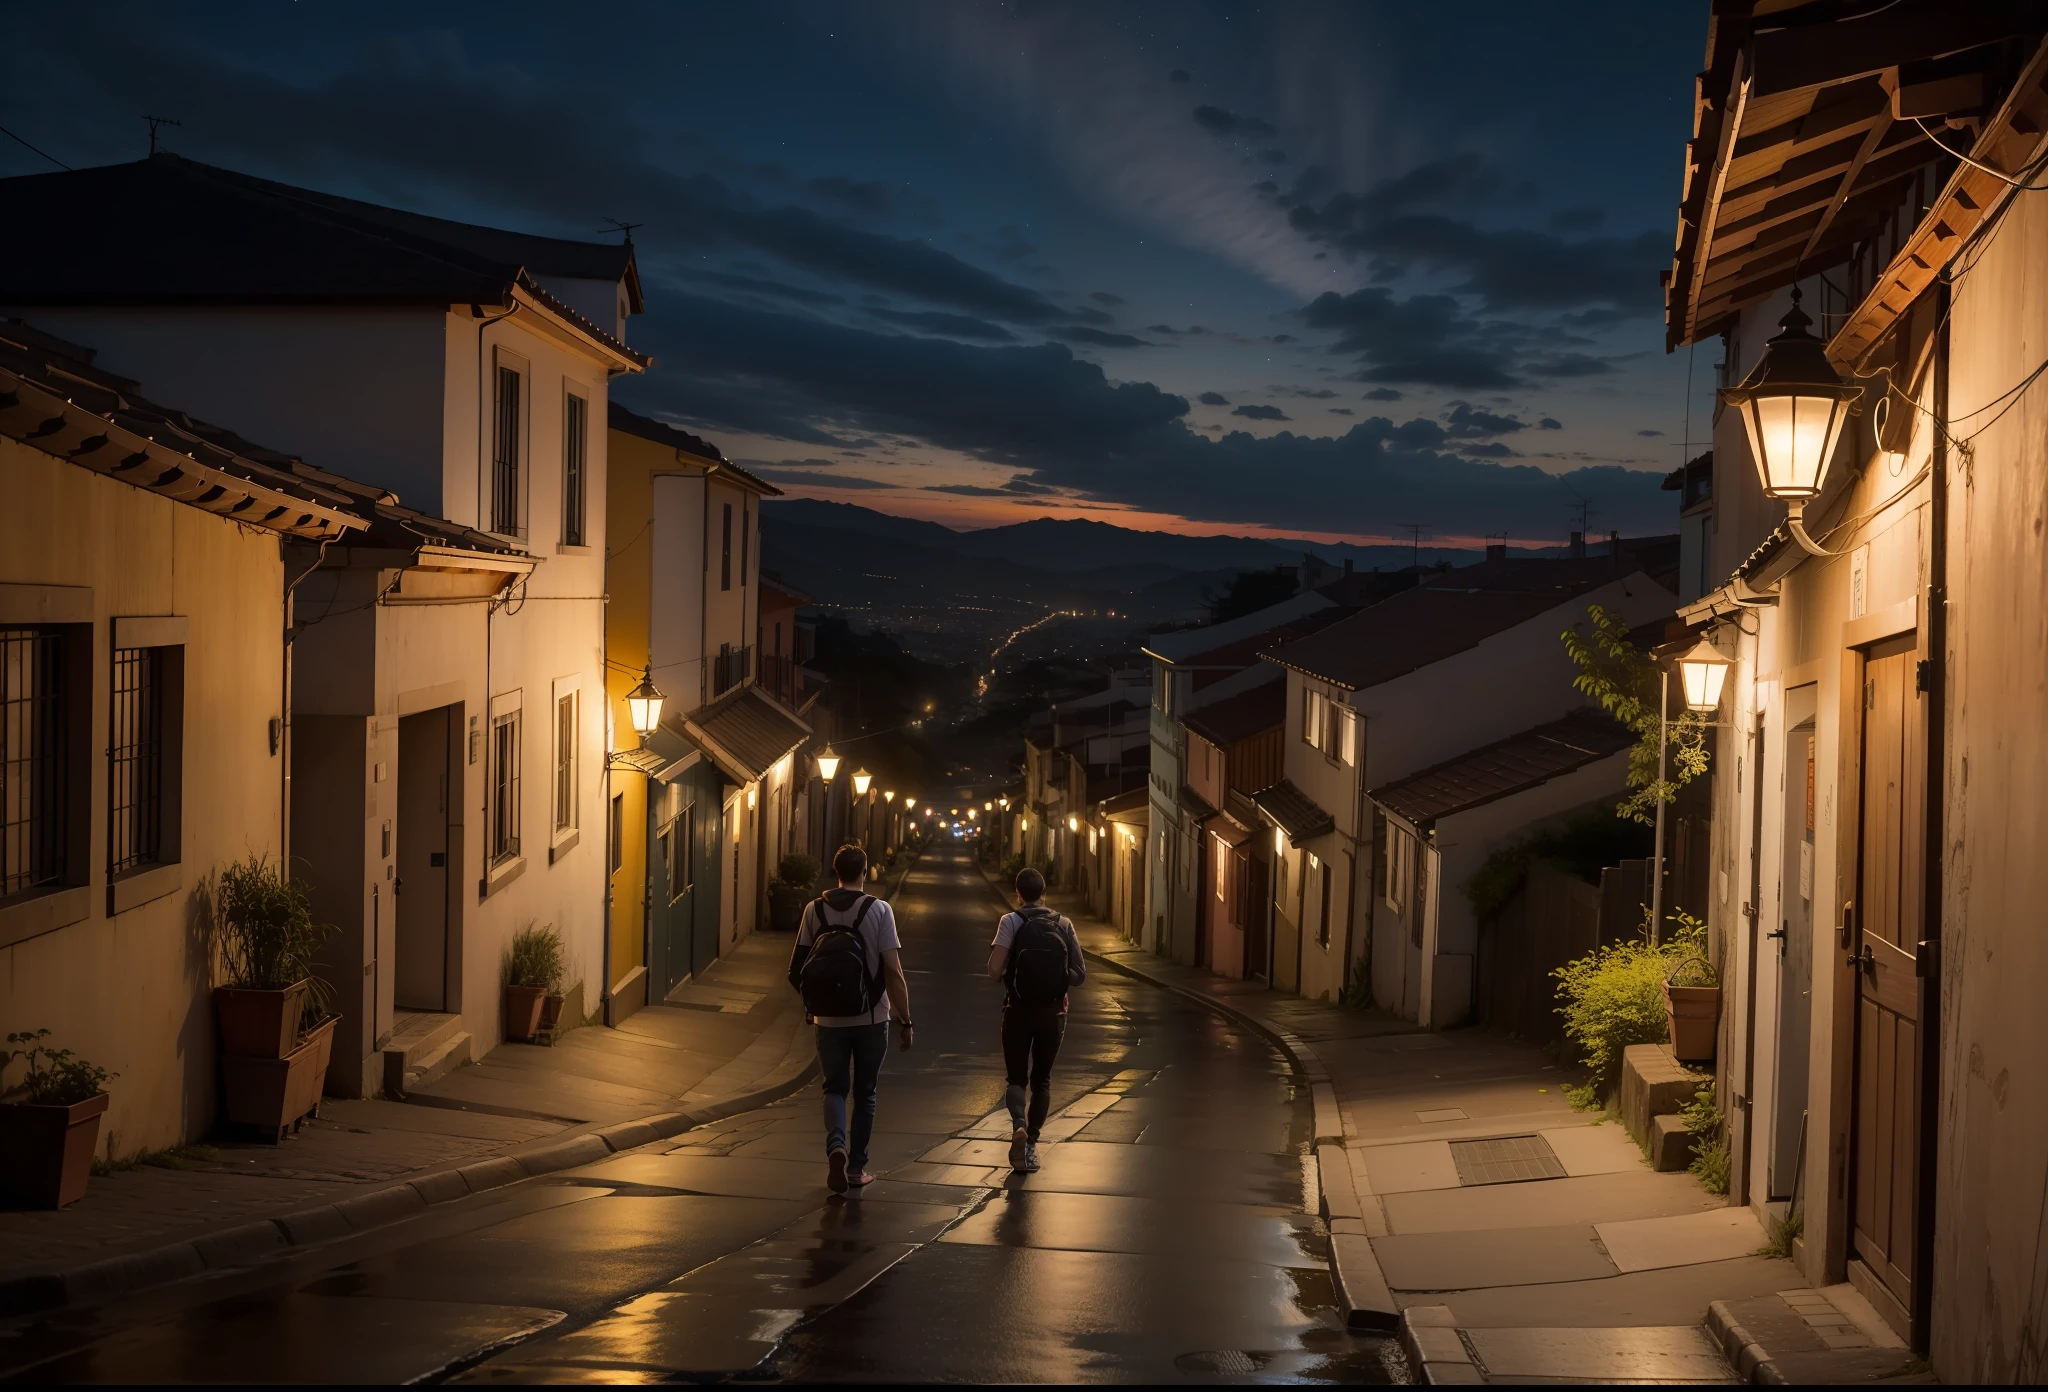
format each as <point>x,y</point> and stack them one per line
<point>1505,1160</point>
<point>1228,1361</point>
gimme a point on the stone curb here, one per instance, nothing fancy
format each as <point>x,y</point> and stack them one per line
<point>1436,1354</point>
<point>273,1237</point>
<point>1749,1358</point>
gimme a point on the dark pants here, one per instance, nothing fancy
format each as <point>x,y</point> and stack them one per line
<point>850,1056</point>
<point>1031,1041</point>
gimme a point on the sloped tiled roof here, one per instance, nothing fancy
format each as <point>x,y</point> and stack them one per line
<point>1195,805</point>
<point>1293,811</point>
<point>168,230</point>
<point>745,732</point>
<point>1123,805</point>
<point>630,422</point>
<point>1241,716</point>
<point>1445,615</point>
<point>1505,767</point>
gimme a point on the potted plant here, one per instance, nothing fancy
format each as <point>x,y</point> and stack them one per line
<point>533,972</point>
<point>267,944</point>
<point>50,1127</point>
<point>1692,1009</point>
<point>795,875</point>
<point>276,1028</point>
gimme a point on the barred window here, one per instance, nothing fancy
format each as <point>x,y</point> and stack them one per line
<point>576,414</point>
<point>135,760</point>
<point>33,781</point>
<point>565,762</point>
<point>505,455</point>
<point>505,787</point>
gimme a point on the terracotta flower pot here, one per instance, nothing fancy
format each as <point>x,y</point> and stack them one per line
<point>551,1010</point>
<point>259,1024</point>
<point>1693,1014</point>
<point>46,1152</point>
<point>273,1095</point>
<point>523,1005</point>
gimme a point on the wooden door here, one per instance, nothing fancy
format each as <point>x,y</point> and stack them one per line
<point>421,889</point>
<point>1885,1181</point>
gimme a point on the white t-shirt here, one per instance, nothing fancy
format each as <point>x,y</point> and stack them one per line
<point>877,931</point>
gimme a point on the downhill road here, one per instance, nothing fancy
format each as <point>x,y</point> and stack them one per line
<point>1165,1238</point>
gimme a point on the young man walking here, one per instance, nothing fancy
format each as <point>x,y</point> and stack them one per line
<point>1038,959</point>
<point>848,965</point>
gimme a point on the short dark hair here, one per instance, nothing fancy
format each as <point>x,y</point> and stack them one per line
<point>849,862</point>
<point>1030,884</point>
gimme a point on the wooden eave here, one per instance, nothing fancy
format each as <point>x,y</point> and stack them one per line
<point>61,428</point>
<point>1795,154</point>
<point>2010,141</point>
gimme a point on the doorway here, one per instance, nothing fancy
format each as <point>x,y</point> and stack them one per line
<point>1794,940</point>
<point>1883,946</point>
<point>420,949</point>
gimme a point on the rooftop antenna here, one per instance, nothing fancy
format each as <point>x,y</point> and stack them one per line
<point>624,228</point>
<point>157,123</point>
<point>1417,531</point>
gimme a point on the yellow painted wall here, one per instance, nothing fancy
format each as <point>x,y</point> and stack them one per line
<point>132,993</point>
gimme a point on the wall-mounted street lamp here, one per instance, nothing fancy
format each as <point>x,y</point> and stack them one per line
<point>970,814</point>
<point>861,779</point>
<point>643,704</point>
<point>1793,405</point>
<point>910,802</point>
<point>828,764</point>
<point>1703,671</point>
<point>888,795</point>
<point>1073,823</point>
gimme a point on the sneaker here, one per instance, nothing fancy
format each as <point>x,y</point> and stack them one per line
<point>835,1172</point>
<point>1020,1141</point>
<point>861,1180</point>
<point>1029,1164</point>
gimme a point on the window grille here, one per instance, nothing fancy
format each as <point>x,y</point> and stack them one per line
<point>565,762</point>
<point>725,551</point>
<point>505,456</point>
<point>505,787</point>
<point>573,485</point>
<point>135,760</point>
<point>33,777</point>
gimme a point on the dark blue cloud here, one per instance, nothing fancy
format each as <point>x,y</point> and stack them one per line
<point>1213,399</point>
<point>938,321</point>
<point>1258,412</point>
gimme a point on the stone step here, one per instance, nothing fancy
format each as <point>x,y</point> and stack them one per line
<point>419,1039</point>
<point>433,1067</point>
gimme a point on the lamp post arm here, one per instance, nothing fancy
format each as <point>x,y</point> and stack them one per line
<point>1795,523</point>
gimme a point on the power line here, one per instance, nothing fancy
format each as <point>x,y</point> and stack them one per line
<point>26,146</point>
<point>157,123</point>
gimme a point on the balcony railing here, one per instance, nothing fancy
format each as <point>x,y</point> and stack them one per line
<point>731,668</point>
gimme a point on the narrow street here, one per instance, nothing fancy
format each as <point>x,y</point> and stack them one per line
<point>1166,1237</point>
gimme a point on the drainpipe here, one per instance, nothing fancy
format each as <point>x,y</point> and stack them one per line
<point>1934,681</point>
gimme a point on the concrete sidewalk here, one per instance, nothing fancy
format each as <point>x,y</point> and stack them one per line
<point>728,1042</point>
<point>1519,1239</point>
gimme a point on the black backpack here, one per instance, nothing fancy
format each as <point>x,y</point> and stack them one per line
<point>1037,969</point>
<point>834,978</point>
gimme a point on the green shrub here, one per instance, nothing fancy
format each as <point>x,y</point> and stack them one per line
<point>536,958</point>
<point>1710,1156</point>
<point>56,1077</point>
<point>1011,865</point>
<point>1582,846</point>
<point>1614,995</point>
<point>265,934</point>
<point>797,869</point>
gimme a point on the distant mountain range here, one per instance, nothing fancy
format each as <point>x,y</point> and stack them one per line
<point>1070,546</point>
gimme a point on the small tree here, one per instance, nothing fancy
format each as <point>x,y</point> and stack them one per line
<point>1627,685</point>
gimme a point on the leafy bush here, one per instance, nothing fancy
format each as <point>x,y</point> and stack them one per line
<point>1625,682</point>
<point>1614,995</point>
<point>1011,865</point>
<point>797,869</point>
<point>264,929</point>
<point>1710,1156</point>
<point>536,958</point>
<point>56,1077</point>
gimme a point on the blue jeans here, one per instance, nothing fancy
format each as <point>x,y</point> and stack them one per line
<point>851,1055</point>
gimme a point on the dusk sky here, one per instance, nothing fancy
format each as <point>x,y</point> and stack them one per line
<point>1307,269</point>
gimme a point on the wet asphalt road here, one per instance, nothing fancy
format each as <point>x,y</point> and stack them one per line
<point>1164,1239</point>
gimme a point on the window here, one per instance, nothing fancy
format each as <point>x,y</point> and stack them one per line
<point>34,779</point>
<point>618,831</point>
<point>1311,716</point>
<point>1322,902</point>
<point>565,762</point>
<point>135,760</point>
<point>1347,745</point>
<point>725,552</point>
<point>505,453</point>
<point>575,485</point>
<point>746,534</point>
<point>1400,867</point>
<point>1222,854</point>
<point>505,786</point>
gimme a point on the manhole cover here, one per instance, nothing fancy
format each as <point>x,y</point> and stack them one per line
<point>1222,1361</point>
<point>1505,1160</point>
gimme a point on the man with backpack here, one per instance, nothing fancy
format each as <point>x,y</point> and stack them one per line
<point>1038,959</point>
<point>848,966</point>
